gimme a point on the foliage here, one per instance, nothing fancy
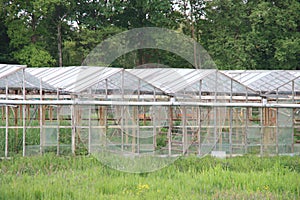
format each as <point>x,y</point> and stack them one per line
<point>253,34</point>
<point>161,140</point>
<point>83,177</point>
<point>34,56</point>
<point>4,39</point>
<point>238,34</point>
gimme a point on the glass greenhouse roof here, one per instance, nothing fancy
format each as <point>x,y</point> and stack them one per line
<point>264,81</point>
<point>174,80</point>
<point>6,69</point>
<point>73,79</point>
<point>171,80</point>
<point>12,75</point>
<point>168,81</point>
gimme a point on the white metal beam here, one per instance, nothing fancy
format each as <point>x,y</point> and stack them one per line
<point>143,103</point>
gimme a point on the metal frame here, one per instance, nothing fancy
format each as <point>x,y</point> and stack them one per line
<point>58,92</point>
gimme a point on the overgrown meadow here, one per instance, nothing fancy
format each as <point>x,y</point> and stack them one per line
<point>84,177</point>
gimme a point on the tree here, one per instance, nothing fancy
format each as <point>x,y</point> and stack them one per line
<point>34,56</point>
<point>26,33</point>
<point>150,13</point>
<point>31,26</point>
<point>255,34</point>
<point>192,11</point>
<point>81,42</point>
<point>4,39</point>
<point>239,34</point>
<point>57,15</point>
<point>224,30</point>
<point>92,19</point>
<point>275,33</point>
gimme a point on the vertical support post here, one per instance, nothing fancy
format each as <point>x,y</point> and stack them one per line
<point>24,115</point>
<point>122,111</point>
<point>50,113</point>
<point>199,119</point>
<point>126,142</point>
<point>230,120</point>
<point>28,111</point>
<point>215,113</point>
<point>6,119</point>
<point>138,119</point>
<point>58,121</point>
<point>184,131</point>
<point>102,123</point>
<point>293,115</point>
<point>105,125</point>
<point>90,125</point>
<point>41,119</point>
<point>261,131</point>
<point>246,123</point>
<point>153,113</point>
<point>15,109</point>
<point>106,89</point>
<point>135,117</point>
<point>104,109</point>
<point>277,124</point>
<point>73,121</point>
<point>90,129</point>
<point>170,130</point>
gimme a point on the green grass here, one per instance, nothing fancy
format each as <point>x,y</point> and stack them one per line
<point>83,177</point>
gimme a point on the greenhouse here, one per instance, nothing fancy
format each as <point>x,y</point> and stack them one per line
<point>156,111</point>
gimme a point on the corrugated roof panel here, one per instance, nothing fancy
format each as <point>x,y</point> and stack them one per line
<point>73,79</point>
<point>15,80</point>
<point>6,69</point>
<point>287,87</point>
<point>296,84</point>
<point>159,77</point>
<point>87,77</point>
<point>190,78</point>
<point>263,80</point>
<point>170,80</point>
<point>246,76</point>
<point>271,81</point>
<point>131,85</point>
<point>57,77</point>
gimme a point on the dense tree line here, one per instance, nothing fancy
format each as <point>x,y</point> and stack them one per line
<point>238,34</point>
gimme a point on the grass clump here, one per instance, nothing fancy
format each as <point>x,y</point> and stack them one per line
<point>84,177</point>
